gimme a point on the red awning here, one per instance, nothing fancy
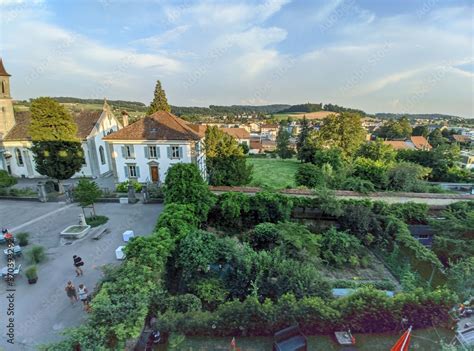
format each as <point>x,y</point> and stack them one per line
<point>403,343</point>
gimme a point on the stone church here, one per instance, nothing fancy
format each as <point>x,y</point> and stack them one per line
<point>15,142</point>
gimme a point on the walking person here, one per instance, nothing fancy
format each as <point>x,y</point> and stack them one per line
<point>71,292</point>
<point>78,263</point>
<point>84,296</point>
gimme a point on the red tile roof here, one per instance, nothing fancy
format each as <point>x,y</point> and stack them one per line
<point>461,138</point>
<point>238,133</point>
<point>85,121</point>
<point>421,143</point>
<point>256,144</point>
<point>159,126</point>
<point>399,144</point>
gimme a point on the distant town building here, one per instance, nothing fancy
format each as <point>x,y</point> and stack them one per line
<point>413,143</point>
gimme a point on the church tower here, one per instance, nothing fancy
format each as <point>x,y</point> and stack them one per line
<point>7,118</point>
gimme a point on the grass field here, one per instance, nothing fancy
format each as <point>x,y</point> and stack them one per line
<point>273,173</point>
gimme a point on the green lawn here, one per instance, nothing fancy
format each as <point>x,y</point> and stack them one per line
<point>273,173</point>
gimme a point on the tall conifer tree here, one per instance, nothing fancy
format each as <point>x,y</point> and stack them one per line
<point>159,103</point>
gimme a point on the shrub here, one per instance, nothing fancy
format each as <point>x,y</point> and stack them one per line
<point>360,185</point>
<point>340,248</point>
<point>185,303</point>
<point>95,221</point>
<point>406,176</point>
<point>374,171</point>
<point>212,292</point>
<point>31,272</point>
<point>36,254</point>
<point>22,238</point>
<point>123,187</point>
<point>411,212</point>
<point>6,180</point>
<point>269,207</point>
<point>231,207</point>
<point>179,219</point>
<point>309,175</point>
<point>265,236</point>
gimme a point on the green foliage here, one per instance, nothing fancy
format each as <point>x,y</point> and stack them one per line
<point>309,175</point>
<point>6,180</point>
<point>36,254</point>
<point>245,148</point>
<point>302,137</point>
<point>436,138</point>
<point>185,303</point>
<point>407,176</point>
<point>184,185</point>
<point>231,208</point>
<point>225,161</point>
<point>361,221</point>
<point>87,192</point>
<point>58,159</point>
<point>411,212</point>
<point>31,272</point>
<point>51,122</point>
<point>360,185</point>
<point>332,156</point>
<point>283,143</point>
<point>211,292</point>
<point>461,277</point>
<point>341,249</point>
<point>421,131</point>
<point>123,186</point>
<point>159,103</point>
<point>179,219</point>
<point>344,131</point>
<point>377,151</point>
<point>269,207</point>
<point>95,221</point>
<point>22,238</point>
<point>374,171</point>
<point>395,129</point>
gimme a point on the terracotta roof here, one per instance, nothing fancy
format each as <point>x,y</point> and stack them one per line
<point>159,126</point>
<point>461,138</point>
<point>238,133</point>
<point>199,128</point>
<point>399,144</point>
<point>420,143</point>
<point>255,144</point>
<point>85,121</point>
<point>3,72</point>
<point>269,126</point>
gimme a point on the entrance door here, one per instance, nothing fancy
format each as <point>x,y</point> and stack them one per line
<point>154,174</point>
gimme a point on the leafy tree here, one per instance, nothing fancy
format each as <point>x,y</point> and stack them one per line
<point>304,134</point>
<point>306,152</point>
<point>407,176</point>
<point>184,185</point>
<point>179,219</point>
<point>344,131</point>
<point>395,129</point>
<point>6,180</point>
<point>436,138</point>
<point>245,148</point>
<point>159,103</point>
<point>377,151</point>
<point>87,192</point>
<point>265,236</point>
<point>310,175</point>
<point>283,143</point>
<point>374,171</point>
<point>461,277</point>
<point>232,207</point>
<point>340,249</point>
<point>225,161</point>
<point>421,131</point>
<point>212,292</point>
<point>332,156</point>
<point>57,151</point>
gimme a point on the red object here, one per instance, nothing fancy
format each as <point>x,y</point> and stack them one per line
<point>404,342</point>
<point>8,236</point>
<point>353,340</point>
<point>233,343</point>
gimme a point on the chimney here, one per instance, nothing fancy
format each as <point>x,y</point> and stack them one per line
<point>125,118</point>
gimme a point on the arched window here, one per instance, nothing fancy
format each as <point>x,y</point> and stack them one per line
<point>3,87</point>
<point>102,155</point>
<point>19,157</point>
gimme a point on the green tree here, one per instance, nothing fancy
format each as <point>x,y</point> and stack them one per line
<point>306,152</point>
<point>395,129</point>
<point>436,138</point>
<point>421,131</point>
<point>87,192</point>
<point>57,151</point>
<point>377,151</point>
<point>225,160</point>
<point>344,131</point>
<point>6,180</point>
<point>407,176</point>
<point>375,171</point>
<point>159,103</point>
<point>461,277</point>
<point>310,176</point>
<point>304,134</point>
<point>340,248</point>
<point>283,143</point>
<point>184,185</point>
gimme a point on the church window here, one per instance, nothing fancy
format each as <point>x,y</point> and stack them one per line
<point>102,155</point>
<point>19,157</point>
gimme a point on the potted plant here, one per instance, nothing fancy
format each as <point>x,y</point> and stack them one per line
<point>32,274</point>
<point>22,238</point>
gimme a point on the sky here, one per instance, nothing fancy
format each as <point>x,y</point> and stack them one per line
<point>403,56</point>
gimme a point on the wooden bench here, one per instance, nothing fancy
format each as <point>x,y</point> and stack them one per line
<point>290,339</point>
<point>100,233</point>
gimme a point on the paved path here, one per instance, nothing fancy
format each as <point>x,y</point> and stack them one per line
<point>42,310</point>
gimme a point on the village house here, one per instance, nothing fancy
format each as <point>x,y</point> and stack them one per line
<point>15,142</point>
<point>146,149</point>
<point>413,143</point>
<point>269,131</point>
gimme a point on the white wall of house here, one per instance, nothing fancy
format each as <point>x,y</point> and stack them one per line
<point>138,164</point>
<point>108,124</point>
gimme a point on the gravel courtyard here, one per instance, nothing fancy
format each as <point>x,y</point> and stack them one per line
<point>43,310</point>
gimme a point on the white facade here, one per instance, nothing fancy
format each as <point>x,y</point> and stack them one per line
<point>149,161</point>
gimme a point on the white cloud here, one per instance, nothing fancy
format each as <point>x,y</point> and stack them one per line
<point>157,41</point>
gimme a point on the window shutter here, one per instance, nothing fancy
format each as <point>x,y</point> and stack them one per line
<point>137,169</point>
<point>147,151</point>
<point>157,152</point>
<point>181,153</point>
<point>132,151</point>
<point>169,151</point>
<point>124,153</point>
<point>126,171</point>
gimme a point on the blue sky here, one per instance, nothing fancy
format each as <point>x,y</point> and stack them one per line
<point>379,56</point>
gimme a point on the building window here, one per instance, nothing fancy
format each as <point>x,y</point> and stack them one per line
<point>19,157</point>
<point>102,155</point>
<point>3,87</point>
<point>132,171</point>
<point>175,152</point>
<point>127,151</point>
<point>152,151</point>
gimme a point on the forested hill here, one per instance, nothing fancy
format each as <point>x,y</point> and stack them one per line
<point>232,110</point>
<point>431,116</point>
<point>309,107</point>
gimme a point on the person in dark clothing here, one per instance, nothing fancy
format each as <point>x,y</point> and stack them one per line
<point>78,263</point>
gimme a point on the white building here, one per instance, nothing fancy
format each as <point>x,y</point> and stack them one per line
<point>15,142</point>
<point>146,149</point>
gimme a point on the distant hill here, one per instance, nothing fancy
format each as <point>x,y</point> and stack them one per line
<point>309,108</point>
<point>429,116</point>
<point>215,110</point>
